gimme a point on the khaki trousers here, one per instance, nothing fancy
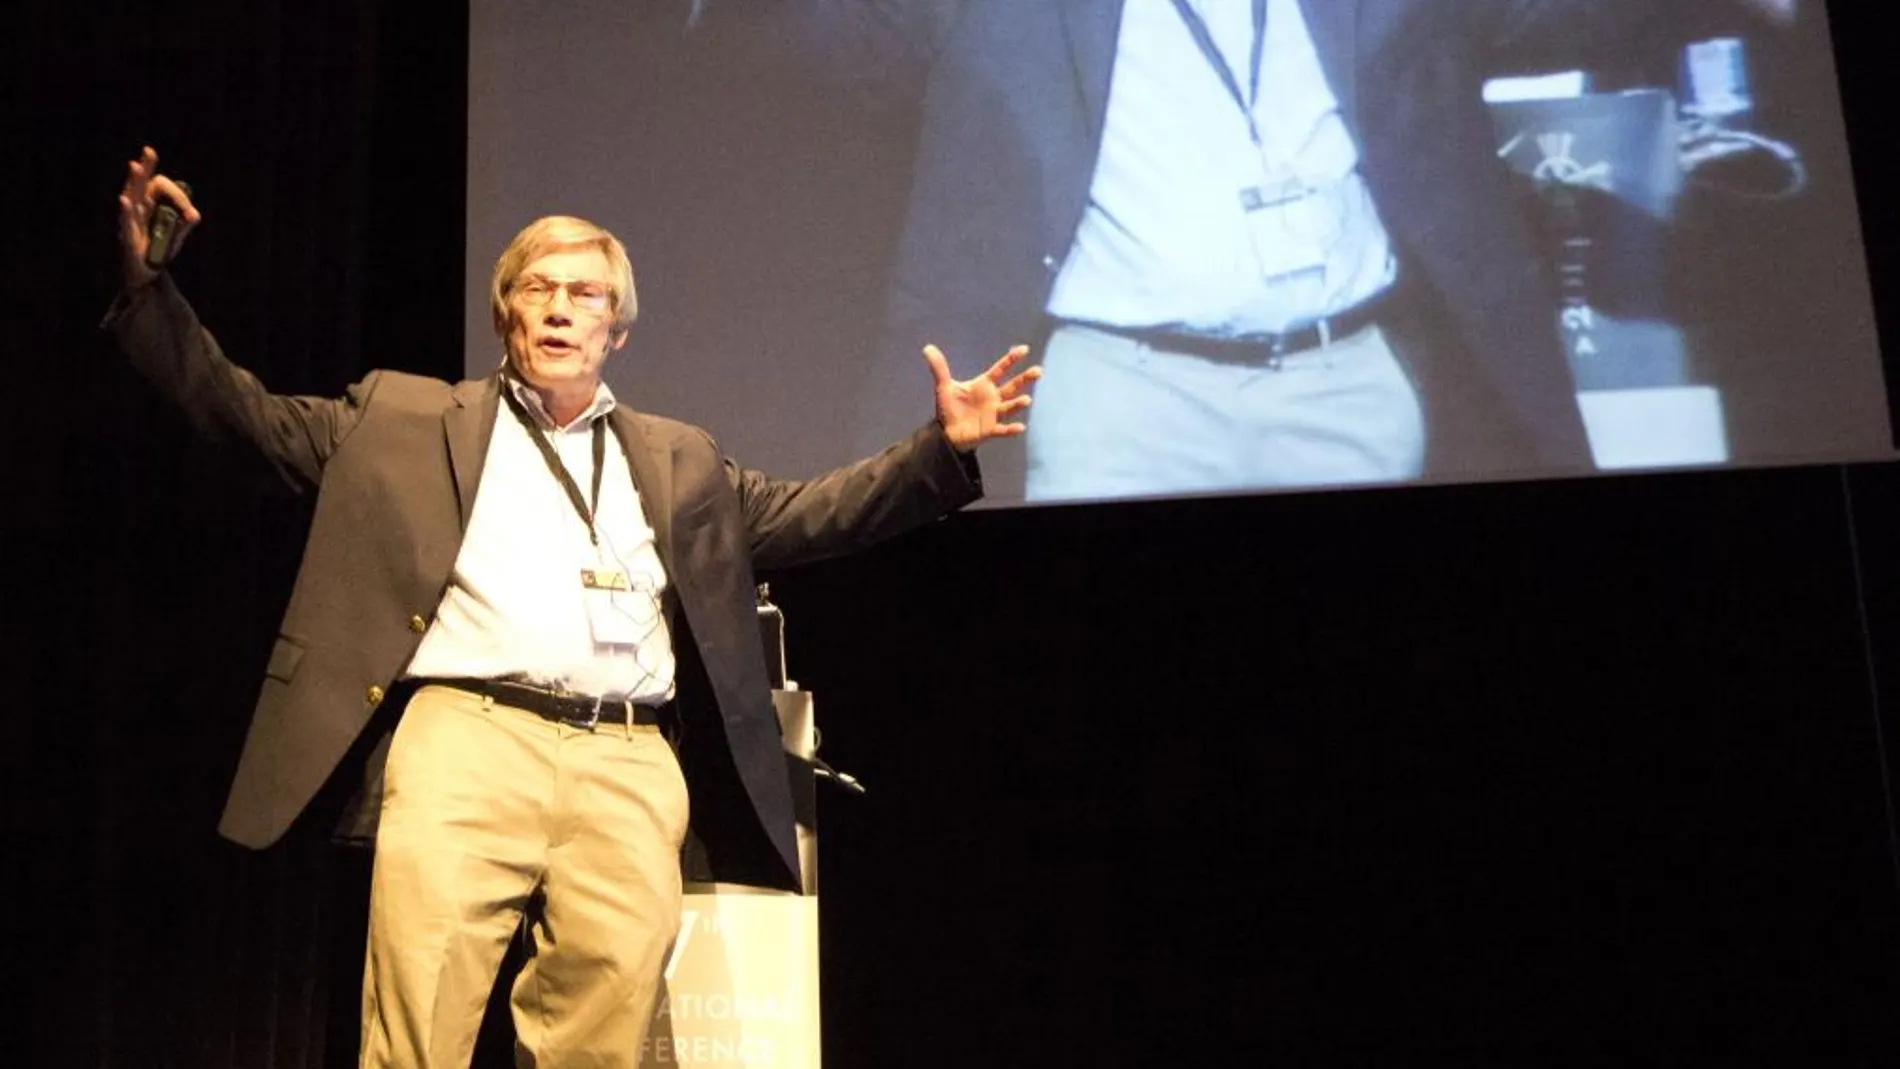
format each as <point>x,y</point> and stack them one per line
<point>490,812</point>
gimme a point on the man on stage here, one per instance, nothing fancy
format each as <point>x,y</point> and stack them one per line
<point>526,570</point>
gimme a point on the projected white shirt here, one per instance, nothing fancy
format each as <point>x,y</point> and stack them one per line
<point>515,607</point>
<point>1167,239</point>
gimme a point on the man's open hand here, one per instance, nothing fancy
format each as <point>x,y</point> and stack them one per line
<point>977,409</point>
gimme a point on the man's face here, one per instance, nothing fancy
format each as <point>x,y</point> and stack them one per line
<point>555,340</point>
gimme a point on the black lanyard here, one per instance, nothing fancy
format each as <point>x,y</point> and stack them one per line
<point>586,510</point>
<point>1203,37</point>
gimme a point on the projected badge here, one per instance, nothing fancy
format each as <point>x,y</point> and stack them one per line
<point>1278,220</point>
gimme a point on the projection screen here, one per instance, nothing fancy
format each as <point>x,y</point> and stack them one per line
<point>1256,245</point>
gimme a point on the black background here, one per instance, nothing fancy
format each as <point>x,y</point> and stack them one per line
<point>1545,773</point>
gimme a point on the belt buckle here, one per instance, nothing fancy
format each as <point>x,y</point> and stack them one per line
<point>593,716</point>
<point>559,690</point>
<point>1276,352</point>
<point>626,711</point>
<point>1280,348</point>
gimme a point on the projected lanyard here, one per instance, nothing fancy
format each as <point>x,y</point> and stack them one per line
<point>609,624</point>
<point>1270,206</point>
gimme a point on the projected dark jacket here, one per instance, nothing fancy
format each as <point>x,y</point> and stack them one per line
<point>1013,99</point>
<point>395,465</point>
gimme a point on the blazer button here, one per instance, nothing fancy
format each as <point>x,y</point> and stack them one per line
<point>418,624</point>
<point>374,695</point>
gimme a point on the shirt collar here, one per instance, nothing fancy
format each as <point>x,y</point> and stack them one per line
<point>603,403</point>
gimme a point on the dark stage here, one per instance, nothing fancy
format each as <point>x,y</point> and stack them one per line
<point>1588,771</point>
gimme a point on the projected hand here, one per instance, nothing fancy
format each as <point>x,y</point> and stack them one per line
<point>138,199</point>
<point>973,411</point>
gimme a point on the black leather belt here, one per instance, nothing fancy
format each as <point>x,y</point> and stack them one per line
<point>1261,350</point>
<point>574,710</point>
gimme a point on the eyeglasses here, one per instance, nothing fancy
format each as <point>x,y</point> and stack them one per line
<point>584,294</point>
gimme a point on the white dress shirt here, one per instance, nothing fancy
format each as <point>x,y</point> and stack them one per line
<point>516,606</point>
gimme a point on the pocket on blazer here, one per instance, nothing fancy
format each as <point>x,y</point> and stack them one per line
<point>284,657</point>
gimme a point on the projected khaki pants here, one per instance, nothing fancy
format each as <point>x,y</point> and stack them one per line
<point>485,809</point>
<point>1118,417</point>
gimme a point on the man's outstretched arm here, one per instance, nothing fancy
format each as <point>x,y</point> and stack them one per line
<point>928,474</point>
<point>161,336</point>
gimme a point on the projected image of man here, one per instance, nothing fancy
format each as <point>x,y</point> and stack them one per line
<point>1268,242</point>
<point>1215,323</point>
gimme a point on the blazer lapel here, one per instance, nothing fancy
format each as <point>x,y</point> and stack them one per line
<point>1333,26</point>
<point>1092,26</point>
<point>468,424</point>
<point>652,467</point>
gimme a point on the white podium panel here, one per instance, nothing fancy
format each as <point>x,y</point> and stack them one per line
<point>741,984</point>
<point>1654,428</point>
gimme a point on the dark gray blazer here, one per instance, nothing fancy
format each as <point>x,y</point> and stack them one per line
<point>395,465</point>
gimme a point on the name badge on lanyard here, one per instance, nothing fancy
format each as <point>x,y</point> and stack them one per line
<point>620,611</point>
<point>1283,217</point>
<point>1280,210</point>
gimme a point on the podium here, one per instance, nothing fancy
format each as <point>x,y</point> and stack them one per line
<point>1607,172</point>
<point>740,988</point>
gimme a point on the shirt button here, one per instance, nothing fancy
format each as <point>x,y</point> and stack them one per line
<point>418,624</point>
<point>374,695</point>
